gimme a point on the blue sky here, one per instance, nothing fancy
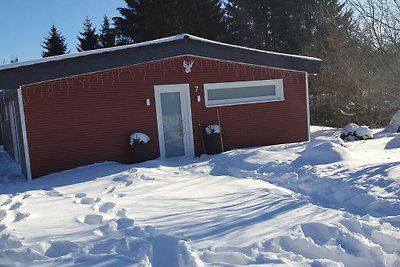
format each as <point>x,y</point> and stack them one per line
<point>25,23</point>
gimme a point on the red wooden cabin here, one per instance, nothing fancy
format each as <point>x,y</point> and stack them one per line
<point>71,110</point>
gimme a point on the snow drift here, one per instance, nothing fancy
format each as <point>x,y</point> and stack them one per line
<point>304,204</point>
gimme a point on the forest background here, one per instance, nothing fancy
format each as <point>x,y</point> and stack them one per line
<point>358,41</point>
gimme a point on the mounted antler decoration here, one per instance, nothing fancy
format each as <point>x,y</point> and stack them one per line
<point>188,66</point>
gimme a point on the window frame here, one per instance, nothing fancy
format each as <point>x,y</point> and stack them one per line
<point>279,92</point>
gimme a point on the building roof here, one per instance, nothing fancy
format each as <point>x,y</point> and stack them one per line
<point>14,75</point>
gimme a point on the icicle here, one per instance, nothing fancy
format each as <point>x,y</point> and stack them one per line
<point>119,74</point>
<point>102,82</point>
<point>82,81</point>
<point>66,81</point>
<point>144,76</point>
<point>51,90</point>
<point>41,91</point>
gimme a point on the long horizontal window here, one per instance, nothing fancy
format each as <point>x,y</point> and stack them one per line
<point>236,93</point>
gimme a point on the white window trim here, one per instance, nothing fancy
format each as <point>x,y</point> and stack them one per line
<point>279,96</point>
<point>24,135</point>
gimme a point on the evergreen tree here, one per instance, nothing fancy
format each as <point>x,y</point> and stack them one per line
<point>285,26</point>
<point>54,44</point>
<point>107,37</point>
<point>239,25</point>
<point>144,20</point>
<point>88,39</point>
<point>321,28</point>
<point>14,59</point>
<point>204,18</point>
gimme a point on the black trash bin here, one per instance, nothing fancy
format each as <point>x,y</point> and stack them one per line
<point>213,143</point>
<point>212,135</point>
<point>140,152</point>
<point>140,147</point>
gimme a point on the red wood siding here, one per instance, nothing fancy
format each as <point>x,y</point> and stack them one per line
<point>86,119</point>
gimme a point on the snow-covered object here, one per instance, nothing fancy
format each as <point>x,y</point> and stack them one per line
<point>213,129</point>
<point>319,153</point>
<point>338,141</point>
<point>350,128</point>
<point>140,138</point>
<point>394,123</point>
<point>364,132</point>
<point>353,132</point>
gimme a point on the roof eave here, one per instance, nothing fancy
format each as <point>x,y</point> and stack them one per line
<point>57,67</point>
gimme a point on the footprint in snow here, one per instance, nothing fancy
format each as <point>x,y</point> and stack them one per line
<point>61,248</point>
<point>109,189</point>
<point>15,206</point>
<point>119,195</point>
<point>145,177</point>
<point>8,201</point>
<point>125,179</point>
<point>123,223</point>
<point>103,248</point>
<point>9,242</point>
<point>26,195</point>
<point>106,207</point>
<point>121,213</point>
<point>89,200</point>
<point>91,219</point>
<point>53,193</point>
<point>80,195</point>
<point>20,216</point>
<point>82,198</point>
<point>3,214</point>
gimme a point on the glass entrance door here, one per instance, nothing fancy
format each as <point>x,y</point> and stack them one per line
<point>174,120</point>
<point>172,124</point>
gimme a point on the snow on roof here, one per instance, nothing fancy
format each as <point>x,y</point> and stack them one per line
<point>91,52</point>
<point>250,49</point>
<point>147,43</point>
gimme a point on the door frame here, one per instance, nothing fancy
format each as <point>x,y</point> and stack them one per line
<point>14,131</point>
<point>186,112</point>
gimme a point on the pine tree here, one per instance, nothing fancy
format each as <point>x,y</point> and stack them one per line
<point>107,36</point>
<point>144,20</point>
<point>247,21</point>
<point>14,59</point>
<point>238,25</point>
<point>283,26</point>
<point>54,44</point>
<point>204,18</point>
<point>88,39</point>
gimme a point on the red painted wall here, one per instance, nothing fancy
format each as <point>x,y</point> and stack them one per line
<point>86,119</point>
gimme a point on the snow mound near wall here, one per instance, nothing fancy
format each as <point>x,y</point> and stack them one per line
<point>322,153</point>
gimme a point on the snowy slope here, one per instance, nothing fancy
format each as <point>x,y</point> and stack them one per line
<point>305,204</point>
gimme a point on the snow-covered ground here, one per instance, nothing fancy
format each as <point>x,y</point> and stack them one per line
<point>303,204</point>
